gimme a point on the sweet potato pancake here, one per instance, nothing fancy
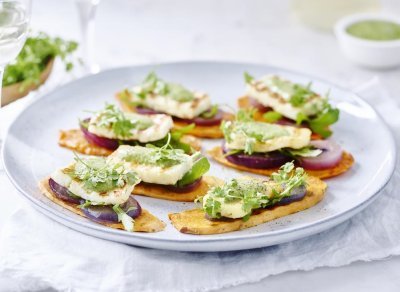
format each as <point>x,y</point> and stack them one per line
<point>343,166</point>
<point>195,222</point>
<point>75,140</point>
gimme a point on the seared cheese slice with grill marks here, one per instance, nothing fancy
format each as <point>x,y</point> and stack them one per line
<point>166,104</point>
<point>264,137</point>
<point>153,127</point>
<point>275,92</point>
<point>113,197</point>
<point>155,165</point>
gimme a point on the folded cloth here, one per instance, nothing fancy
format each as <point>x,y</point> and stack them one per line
<point>43,254</point>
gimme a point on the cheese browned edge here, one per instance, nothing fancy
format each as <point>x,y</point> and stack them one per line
<point>211,132</point>
<point>146,222</point>
<point>195,222</point>
<point>75,140</point>
<point>343,166</point>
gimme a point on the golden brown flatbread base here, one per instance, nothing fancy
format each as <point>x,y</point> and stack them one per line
<point>210,132</point>
<point>75,140</point>
<point>146,222</point>
<point>244,102</point>
<point>159,192</point>
<point>344,165</point>
<point>195,222</point>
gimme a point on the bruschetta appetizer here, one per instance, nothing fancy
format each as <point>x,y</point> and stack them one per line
<point>110,127</point>
<point>246,202</point>
<point>185,106</point>
<point>167,173</point>
<point>100,190</point>
<point>261,148</point>
<point>277,100</point>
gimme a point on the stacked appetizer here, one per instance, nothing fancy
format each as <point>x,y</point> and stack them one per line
<point>185,106</point>
<point>262,147</point>
<point>281,134</point>
<point>100,190</point>
<point>247,202</point>
<point>167,173</point>
<point>110,127</point>
<point>277,100</point>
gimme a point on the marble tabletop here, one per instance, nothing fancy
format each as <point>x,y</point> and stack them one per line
<point>138,32</point>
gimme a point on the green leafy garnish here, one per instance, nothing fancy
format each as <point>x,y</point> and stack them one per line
<point>200,166</point>
<point>248,78</point>
<point>245,115</point>
<point>101,176</point>
<point>272,116</point>
<point>34,56</point>
<point>321,122</point>
<point>210,113</point>
<point>126,220</point>
<point>300,94</point>
<point>253,194</point>
<point>175,141</point>
<point>164,156</point>
<point>152,84</point>
<point>113,118</point>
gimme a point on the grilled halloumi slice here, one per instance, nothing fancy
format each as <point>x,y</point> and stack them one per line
<point>154,127</point>
<point>181,109</point>
<point>113,197</point>
<point>275,92</point>
<point>263,137</point>
<point>155,165</point>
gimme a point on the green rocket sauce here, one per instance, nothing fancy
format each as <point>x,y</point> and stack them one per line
<point>376,30</point>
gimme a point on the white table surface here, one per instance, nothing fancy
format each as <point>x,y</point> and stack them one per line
<point>138,32</point>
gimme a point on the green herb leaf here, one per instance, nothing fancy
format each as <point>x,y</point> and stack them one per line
<point>124,218</point>
<point>154,85</point>
<point>247,77</point>
<point>253,194</point>
<point>34,57</point>
<point>210,113</point>
<point>320,124</point>
<point>272,116</point>
<point>113,118</point>
<point>100,176</point>
<point>199,168</point>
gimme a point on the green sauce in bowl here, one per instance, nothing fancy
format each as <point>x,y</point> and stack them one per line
<point>375,30</point>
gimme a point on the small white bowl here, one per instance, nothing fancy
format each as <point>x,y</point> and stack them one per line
<point>368,53</point>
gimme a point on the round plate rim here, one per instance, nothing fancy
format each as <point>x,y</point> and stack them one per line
<point>318,226</point>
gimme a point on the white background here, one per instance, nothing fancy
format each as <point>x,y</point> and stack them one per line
<point>144,31</point>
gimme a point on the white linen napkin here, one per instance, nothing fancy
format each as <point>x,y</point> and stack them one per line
<point>43,254</point>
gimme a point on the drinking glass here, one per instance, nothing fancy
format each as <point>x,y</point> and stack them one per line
<point>14,21</point>
<point>87,12</point>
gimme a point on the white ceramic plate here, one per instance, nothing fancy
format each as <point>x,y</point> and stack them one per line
<point>31,152</point>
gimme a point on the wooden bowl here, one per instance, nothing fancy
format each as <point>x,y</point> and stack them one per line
<point>12,92</point>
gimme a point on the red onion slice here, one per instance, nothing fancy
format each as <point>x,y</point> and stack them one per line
<point>111,144</point>
<point>147,111</point>
<point>258,160</point>
<point>329,158</point>
<point>296,194</point>
<point>107,214</point>
<point>63,193</point>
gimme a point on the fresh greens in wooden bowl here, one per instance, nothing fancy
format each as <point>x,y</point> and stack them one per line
<point>34,64</point>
